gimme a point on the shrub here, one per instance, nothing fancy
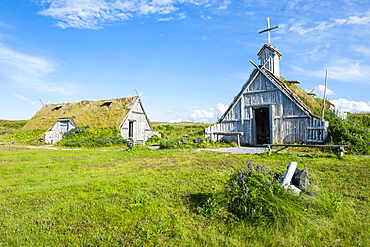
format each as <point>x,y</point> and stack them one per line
<point>153,140</point>
<point>21,136</point>
<point>252,193</point>
<point>348,133</point>
<point>92,138</point>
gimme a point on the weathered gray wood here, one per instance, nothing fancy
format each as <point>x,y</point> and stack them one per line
<point>238,134</point>
<point>340,154</point>
<point>290,121</point>
<point>308,145</point>
<point>286,183</point>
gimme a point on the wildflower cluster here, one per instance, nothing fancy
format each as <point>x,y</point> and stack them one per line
<point>251,193</point>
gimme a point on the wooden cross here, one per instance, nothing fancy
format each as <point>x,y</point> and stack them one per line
<point>268,29</point>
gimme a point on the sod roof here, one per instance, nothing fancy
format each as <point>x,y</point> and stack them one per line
<point>301,96</point>
<point>95,114</point>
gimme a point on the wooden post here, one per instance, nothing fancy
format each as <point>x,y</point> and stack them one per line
<point>341,152</point>
<point>288,177</point>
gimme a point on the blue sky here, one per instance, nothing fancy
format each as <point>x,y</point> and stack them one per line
<point>188,57</point>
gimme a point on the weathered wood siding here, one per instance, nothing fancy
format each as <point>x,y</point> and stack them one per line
<point>57,131</point>
<point>140,125</point>
<point>289,123</point>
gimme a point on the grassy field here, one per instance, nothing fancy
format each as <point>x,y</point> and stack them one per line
<point>147,197</point>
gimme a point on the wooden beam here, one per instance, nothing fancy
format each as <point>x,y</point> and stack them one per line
<point>325,147</point>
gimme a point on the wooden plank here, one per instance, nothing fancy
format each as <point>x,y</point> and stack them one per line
<point>229,133</point>
<point>296,116</point>
<point>288,178</point>
<point>261,91</point>
<point>307,145</point>
<point>316,128</point>
<point>325,147</point>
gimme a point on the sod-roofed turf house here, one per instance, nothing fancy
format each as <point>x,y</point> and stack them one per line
<point>127,114</point>
<point>268,109</point>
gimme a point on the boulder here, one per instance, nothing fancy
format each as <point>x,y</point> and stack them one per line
<point>300,179</point>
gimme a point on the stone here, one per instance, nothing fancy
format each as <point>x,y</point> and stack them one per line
<point>300,179</point>
<point>198,140</point>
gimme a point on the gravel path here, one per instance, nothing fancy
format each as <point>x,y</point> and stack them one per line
<point>239,150</point>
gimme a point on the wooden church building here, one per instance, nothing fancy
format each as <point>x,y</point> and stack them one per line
<point>126,114</point>
<point>268,109</point>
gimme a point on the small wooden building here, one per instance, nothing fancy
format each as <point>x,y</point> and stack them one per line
<point>56,133</point>
<point>127,114</point>
<point>268,109</point>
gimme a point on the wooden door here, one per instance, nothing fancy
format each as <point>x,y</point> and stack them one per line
<point>262,123</point>
<point>131,129</point>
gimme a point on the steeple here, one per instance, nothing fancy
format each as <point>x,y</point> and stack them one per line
<point>270,59</point>
<point>269,56</point>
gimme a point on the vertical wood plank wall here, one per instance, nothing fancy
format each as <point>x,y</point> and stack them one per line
<point>289,123</point>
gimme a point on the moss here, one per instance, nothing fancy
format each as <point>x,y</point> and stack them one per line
<point>84,113</point>
<point>310,102</point>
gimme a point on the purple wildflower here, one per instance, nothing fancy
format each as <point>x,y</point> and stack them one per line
<point>250,165</point>
<point>259,167</point>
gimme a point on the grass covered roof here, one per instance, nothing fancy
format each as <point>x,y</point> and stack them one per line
<point>95,114</point>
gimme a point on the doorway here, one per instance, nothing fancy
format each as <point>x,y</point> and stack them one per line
<point>262,123</point>
<point>131,129</point>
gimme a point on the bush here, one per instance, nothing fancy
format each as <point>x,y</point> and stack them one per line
<point>22,136</point>
<point>153,140</point>
<point>252,194</point>
<point>92,138</point>
<point>348,133</point>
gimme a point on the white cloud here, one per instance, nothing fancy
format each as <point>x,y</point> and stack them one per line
<point>351,106</point>
<point>182,16</point>
<point>21,97</point>
<point>203,114</point>
<point>300,27</point>
<point>208,115</point>
<point>346,70</point>
<point>349,71</point>
<point>363,50</point>
<point>204,17</point>
<point>31,72</point>
<point>320,89</point>
<point>222,108</point>
<point>225,4</point>
<point>94,14</point>
<point>165,19</point>
<point>355,20</point>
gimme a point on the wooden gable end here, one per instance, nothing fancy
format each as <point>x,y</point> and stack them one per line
<point>136,124</point>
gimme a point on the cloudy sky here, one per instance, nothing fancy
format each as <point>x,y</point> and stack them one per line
<point>188,57</point>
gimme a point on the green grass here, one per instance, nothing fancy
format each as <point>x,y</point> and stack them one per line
<point>181,136</point>
<point>147,197</point>
<point>176,130</point>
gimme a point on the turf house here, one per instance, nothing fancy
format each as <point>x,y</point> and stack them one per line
<point>269,109</point>
<point>127,114</point>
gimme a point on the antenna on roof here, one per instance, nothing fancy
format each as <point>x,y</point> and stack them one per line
<point>41,102</point>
